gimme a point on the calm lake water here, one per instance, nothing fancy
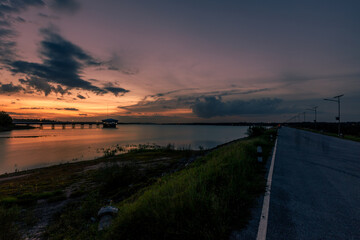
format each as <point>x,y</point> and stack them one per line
<point>26,149</point>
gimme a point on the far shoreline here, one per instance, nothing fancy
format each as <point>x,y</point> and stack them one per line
<point>26,172</point>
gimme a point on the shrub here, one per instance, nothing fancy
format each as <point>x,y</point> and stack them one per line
<point>255,131</point>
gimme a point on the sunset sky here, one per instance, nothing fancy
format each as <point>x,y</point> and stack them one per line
<point>179,61</point>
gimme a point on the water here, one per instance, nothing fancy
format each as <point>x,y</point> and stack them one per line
<point>27,149</point>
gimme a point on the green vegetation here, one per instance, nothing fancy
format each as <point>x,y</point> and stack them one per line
<point>75,221</point>
<point>204,201</point>
<point>349,130</point>
<point>347,136</point>
<point>160,192</point>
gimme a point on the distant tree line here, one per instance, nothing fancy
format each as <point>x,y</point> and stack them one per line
<point>347,128</point>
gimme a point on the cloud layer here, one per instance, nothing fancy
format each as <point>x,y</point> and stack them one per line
<point>62,64</point>
<point>214,107</point>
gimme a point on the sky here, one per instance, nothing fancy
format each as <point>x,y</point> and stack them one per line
<point>169,61</point>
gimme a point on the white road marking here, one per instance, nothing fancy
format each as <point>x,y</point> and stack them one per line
<point>261,235</point>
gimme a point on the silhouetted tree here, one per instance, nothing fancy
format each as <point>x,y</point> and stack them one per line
<point>5,120</point>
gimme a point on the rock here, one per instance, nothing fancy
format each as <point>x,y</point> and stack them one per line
<point>106,215</point>
<point>105,222</point>
<point>107,210</point>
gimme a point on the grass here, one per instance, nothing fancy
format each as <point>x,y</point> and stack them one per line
<point>348,137</point>
<point>204,201</point>
<point>113,182</point>
<point>75,221</point>
<point>157,196</point>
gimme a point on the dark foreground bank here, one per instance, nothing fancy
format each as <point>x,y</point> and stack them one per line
<point>160,194</point>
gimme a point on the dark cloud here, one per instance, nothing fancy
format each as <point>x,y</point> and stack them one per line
<point>117,91</point>
<point>16,6</point>
<point>7,49</point>
<point>116,63</point>
<point>4,23</point>
<point>34,108</point>
<point>71,109</point>
<point>20,19</point>
<point>160,105</point>
<point>10,88</point>
<point>214,106</point>
<point>171,92</point>
<point>93,80</point>
<point>294,78</point>
<point>67,6</point>
<point>67,109</point>
<point>41,85</point>
<point>62,63</point>
<point>51,17</point>
<point>81,96</point>
<point>195,95</point>
<point>7,32</point>
<point>183,99</point>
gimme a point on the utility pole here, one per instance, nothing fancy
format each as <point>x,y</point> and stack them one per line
<point>304,116</point>
<point>315,111</point>
<point>337,99</point>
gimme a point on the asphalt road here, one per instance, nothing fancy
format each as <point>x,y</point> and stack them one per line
<point>315,191</point>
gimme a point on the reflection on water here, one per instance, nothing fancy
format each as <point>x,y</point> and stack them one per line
<point>25,149</point>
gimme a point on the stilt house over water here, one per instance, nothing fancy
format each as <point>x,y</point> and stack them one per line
<point>109,123</point>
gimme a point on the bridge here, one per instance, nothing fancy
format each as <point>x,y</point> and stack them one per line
<point>73,124</point>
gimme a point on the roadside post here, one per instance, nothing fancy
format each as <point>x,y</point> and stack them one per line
<point>259,154</point>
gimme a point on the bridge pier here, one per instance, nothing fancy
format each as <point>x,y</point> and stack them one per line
<point>97,125</point>
<point>90,125</point>
<point>41,126</point>
<point>82,126</point>
<point>52,126</point>
<point>73,125</point>
<point>63,126</point>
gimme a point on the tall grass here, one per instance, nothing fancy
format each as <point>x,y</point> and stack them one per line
<point>205,201</point>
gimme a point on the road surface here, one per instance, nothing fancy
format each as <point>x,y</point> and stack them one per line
<point>315,192</point>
